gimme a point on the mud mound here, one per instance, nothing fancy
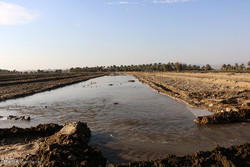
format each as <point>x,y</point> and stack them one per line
<point>68,147</point>
<point>219,156</point>
<point>49,145</point>
<point>224,117</point>
<point>40,130</point>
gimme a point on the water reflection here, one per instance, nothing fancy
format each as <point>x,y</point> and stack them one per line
<point>128,120</point>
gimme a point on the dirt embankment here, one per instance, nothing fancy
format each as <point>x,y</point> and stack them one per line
<point>49,145</point>
<point>54,145</point>
<point>20,85</point>
<point>219,156</point>
<point>225,94</point>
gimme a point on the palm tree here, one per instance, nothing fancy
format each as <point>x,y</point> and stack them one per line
<point>242,67</point>
<point>208,67</point>
<point>229,67</point>
<point>224,66</point>
<point>236,66</point>
<point>178,66</point>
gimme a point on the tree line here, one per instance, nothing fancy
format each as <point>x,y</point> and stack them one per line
<point>170,66</point>
<point>236,67</point>
<point>7,71</point>
<point>144,67</point>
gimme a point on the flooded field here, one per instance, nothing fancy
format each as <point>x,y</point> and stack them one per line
<point>128,120</point>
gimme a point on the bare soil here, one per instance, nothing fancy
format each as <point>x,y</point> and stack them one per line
<point>55,145</point>
<point>225,94</point>
<point>49,145</point>
<point>217,157</point>
<point>20,85</point>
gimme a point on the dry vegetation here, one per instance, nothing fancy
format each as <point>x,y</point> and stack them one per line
<point>20,85</point>
<point>226,94</point>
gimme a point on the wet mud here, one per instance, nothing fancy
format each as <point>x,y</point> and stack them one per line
<point>68,145</point>
<point>219,156</point>
<point>226,95</point>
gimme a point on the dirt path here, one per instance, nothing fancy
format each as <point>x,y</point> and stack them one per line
<point>225,94</point>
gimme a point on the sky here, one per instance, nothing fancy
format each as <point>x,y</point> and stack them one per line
<point>59,34</point>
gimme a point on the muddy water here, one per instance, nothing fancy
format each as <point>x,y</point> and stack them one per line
<point>128,120</point>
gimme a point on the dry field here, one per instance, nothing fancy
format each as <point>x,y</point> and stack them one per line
<point>20,85</point>
<point>217,92</point>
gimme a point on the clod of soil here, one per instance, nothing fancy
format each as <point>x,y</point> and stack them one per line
<point>68,147</point>
<point>40,130</point>
<point>224,117</point>
<point>12,117</point>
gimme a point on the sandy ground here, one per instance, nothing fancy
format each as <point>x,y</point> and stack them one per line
<point>216,92</point>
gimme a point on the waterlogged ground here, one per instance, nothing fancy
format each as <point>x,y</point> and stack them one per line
<point>128,120</point>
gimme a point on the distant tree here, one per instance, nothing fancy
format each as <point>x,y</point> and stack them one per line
<point>242,67</point>
<point>195,67</point>
<point>58,71</point>
<point>248,64</point>
<point>189,67</point>
<point>159,66</point>
<point>178,66</point>
<point>223,67</point>
<point>208,67</point>
<point>170,66</point>
<point>40,71</point>
<point>154,67</point>
<point>164,67</point>
<point>184,66</point>
<point>229,67</point>
<point>236,66</point>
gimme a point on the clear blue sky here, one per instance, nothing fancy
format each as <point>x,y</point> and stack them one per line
<point>42,34</point>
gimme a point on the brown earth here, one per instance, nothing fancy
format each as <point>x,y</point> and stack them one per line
<point>56,145</point>
<point>20,85</point>
<point>218,157</point>
<point>49,145</point>
<point>225,94</point>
